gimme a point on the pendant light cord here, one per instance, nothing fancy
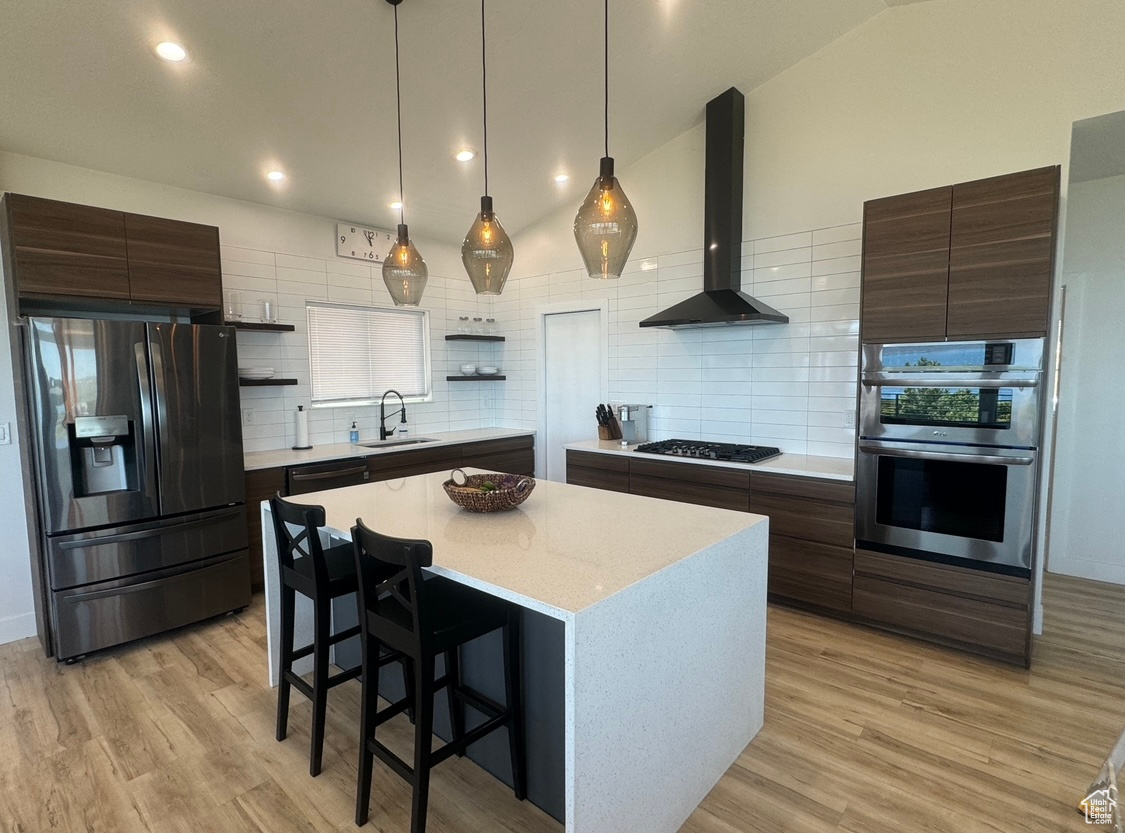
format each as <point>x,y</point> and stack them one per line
<point>607,77</point>
<point>398,108</point>
<point>484,88</point>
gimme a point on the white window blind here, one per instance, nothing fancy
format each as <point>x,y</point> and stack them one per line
<point>358,353</point>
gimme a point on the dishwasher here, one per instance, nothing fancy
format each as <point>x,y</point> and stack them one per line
<point>300,480</point>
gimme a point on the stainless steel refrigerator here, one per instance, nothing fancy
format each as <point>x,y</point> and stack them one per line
<point>139,474</point>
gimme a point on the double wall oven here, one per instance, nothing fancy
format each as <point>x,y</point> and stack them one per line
<point>948,464</point>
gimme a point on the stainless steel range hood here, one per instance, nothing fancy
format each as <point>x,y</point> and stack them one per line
<point>722,301</point>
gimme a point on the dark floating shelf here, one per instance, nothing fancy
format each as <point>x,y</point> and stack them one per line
<point>261,327</point>
<point>475,378</point>
<point>263,383</point>
<point>467,337</point>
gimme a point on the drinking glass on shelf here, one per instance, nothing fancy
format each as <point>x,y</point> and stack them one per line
<point>463,325</point>
<point>478,327</point>
<point>490,326</point>
<point>267,311</point>
<point>234,305</point>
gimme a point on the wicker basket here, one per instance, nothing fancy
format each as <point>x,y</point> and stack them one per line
<point>511,490</point>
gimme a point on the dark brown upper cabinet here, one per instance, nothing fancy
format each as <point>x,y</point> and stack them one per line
<point>906,266</point>
<point>1001,255</point>
<point>62,249</point>
<point>69,252</point>
<point>973,260</point>
<point>172,263</point>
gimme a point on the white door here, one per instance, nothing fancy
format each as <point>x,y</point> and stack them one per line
<point>573,383</point>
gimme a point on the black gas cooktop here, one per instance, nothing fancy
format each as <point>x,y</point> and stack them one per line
<point>727,452</point>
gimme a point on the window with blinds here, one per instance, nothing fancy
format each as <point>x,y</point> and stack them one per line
<point>358,353</point>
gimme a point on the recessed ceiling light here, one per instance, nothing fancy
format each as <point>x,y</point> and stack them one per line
<point>396,206</point>
<point>170,51</point>
<point>465,155</point>
<point>275,176</point>
<point>561,178</point>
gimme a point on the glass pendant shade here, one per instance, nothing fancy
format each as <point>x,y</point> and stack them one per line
<point>487,252</point>
<point>606,226</point>
<point>404,271</point>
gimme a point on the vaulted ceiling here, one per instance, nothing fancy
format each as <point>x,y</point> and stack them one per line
<point>308,88</point>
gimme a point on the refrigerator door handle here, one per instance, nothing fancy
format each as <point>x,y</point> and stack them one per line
<point>147,446</point>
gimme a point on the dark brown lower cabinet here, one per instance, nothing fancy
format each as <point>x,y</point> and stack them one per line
<point>971,609</point>
<point>396,464</point>
<point>690,483</point>
<point>597,471</point>
<point>811,537</point>
<point>511,455</point>
<point>261,484</point>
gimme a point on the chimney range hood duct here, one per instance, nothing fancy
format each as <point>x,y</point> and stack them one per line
<point>722,300</point>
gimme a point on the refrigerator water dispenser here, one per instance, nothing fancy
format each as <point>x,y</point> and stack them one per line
<point>105,454</point>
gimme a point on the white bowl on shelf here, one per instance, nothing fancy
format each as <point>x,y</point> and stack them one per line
<point>468,369</point>
<point>255,372</point>
<point>488,370</point>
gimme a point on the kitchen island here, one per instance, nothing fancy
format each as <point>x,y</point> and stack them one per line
<point>663,608</point>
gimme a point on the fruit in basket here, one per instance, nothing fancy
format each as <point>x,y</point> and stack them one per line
<point>488,486</point>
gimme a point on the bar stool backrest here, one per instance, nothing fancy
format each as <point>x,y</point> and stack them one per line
<point>391,584</point>
<point>297,530</point>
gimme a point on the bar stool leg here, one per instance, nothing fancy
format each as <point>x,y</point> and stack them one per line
<point>423,740</point>
<point>369,706</point>
<point>322,632</point>
<point>456,707</point>
<point>288,603</point>
<point>513,682</point>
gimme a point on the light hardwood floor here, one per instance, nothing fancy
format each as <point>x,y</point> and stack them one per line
<point>865,733</point>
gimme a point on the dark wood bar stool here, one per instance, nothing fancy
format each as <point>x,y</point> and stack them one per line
<point>421,618</point>
<point>322,575</point>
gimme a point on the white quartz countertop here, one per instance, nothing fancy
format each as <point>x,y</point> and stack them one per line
<point>800,465</point>
<point>344,451</point>
<point>564,549</point>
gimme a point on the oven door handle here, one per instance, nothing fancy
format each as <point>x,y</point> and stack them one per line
<point>894,380</point>
<point>947,457</point>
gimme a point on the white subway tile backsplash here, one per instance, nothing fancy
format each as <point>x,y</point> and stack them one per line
<point>801,240</point>
<point>830,251</point>
<point>295,279</point>
<point>784,385</point>
<point>838,234</point>
<point>782,258</point>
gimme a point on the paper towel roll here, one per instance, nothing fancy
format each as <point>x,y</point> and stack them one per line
<point>302,429</point>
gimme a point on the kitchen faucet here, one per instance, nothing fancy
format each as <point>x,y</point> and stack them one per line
<point>383,432</point>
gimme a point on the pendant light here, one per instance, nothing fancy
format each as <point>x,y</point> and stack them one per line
<point>487,251</point>
<point>404,271</point>
<point>605,227</point>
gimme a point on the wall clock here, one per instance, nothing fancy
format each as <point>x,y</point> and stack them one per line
<point>361,243</point>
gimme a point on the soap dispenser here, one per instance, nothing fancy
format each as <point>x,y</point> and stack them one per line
<point>353,433</point>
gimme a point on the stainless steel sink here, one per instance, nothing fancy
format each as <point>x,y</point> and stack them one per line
<point>392,443</point>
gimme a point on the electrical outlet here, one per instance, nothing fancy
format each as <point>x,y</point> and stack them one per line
<point>849,419</point>
<point>247,416</point>
<point>5,433</point>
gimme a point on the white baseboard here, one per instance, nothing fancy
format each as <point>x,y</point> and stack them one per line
<point>16,627</point>
<point>1094,570</point>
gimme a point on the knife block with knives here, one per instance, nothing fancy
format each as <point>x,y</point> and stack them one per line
<point>608,427</point>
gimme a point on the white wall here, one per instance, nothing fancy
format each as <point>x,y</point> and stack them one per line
<point>1087,533</point>
<point>267,252</point>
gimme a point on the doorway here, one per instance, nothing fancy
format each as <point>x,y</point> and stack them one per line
<point>573,379</point>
